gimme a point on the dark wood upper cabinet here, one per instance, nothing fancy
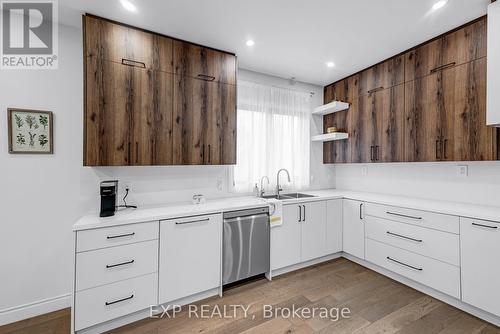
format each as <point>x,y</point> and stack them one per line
<point>453,49</point>
<point>118,43</point>
<point>382,76</point>
<point>139,112</point>
<point>204,122</point>
<point>204,63</point>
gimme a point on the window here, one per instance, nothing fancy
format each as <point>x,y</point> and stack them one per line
<point>273,133</point>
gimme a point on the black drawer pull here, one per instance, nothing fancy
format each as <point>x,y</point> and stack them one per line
<point>401,215</point>
<point>443,67</point>
<point>375,89</point>
<point>119,264</point>
<point>205,77</point>
<point>404,264</point>
<point>119,300</point>
<point>192,221</point>
<point>133,63</point>
<point>488,226</point>
<point>120,236</point>
<point>404,237</point>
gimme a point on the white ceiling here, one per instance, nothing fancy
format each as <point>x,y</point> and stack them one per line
<point>293,38</point>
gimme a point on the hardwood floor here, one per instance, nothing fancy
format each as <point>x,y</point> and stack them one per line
<point>377,304</point>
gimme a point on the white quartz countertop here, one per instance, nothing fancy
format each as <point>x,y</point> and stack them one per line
<point>184,209</point>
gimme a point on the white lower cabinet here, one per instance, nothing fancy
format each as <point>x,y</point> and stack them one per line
<point>334,226</point>
<point>353,228</point>
<point>438,275</point>
<point>286,239</point>
<point>313,230</point>
<point>480,249</point>
<point>190,256</point>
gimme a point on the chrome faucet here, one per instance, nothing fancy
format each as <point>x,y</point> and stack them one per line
<point>262,191</point>
<point>278,189</point>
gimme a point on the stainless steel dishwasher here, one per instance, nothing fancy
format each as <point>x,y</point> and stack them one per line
<point>246,244</point>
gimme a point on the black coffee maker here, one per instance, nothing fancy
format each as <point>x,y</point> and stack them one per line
<point>108,198</point>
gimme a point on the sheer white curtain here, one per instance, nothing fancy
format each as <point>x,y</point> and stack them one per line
<point>273,133</point>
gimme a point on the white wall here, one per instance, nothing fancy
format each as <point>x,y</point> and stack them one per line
<point>426,180</point>
<point>43,195</point>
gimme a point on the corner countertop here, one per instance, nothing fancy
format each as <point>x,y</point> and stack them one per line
<point>185,209</point>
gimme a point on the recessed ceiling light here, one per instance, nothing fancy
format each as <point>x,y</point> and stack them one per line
<point>128,5</point>
<point>250,42</point>
<point>439,4</point>
<point>330,64</point>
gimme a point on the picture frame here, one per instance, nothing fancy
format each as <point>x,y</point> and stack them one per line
<point>30,131</point>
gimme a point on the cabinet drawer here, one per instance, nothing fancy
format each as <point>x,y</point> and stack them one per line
<point>126,45</point>
<point>116,235</point>
<point>190,256</point>
<point>435,244</point>
<point>204,63</point>
<point>432,220</point>
<point>114,264</point>
<point>97,305</point>
<point>438,275</point>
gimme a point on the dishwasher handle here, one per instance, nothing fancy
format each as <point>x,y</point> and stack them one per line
<point>237,219</point>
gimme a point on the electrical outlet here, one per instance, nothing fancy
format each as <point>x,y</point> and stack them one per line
<point>462,170</point>
<point>364,170</point>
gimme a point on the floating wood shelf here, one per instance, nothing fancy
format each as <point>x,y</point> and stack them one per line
<point>330,136</point>
<point>330,108</point>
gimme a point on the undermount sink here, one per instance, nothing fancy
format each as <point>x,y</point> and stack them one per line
<point>288,196</point>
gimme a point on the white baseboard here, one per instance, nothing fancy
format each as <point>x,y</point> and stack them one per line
<point>298,266</point>
<point>34,309</point>
<point>428,291</point>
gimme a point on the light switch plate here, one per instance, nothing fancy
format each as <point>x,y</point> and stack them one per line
<point>462,170</point>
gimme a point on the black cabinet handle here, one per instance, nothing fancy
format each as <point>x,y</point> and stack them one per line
<point>372,153</point>
<point>300,213</point>
<point>404,237</point>
<point>192,221</point>
<point>361,211</point>
<point>209,155</point>
<point>203,153</point>
<point>304,212</point>
<point>119,264</point>
<point>120,236</point>
<point>375,89</point>
<point>487,226</point>
<point>376,152</point>
<point>404,264</point>
<point>133,63</point>
<point>205,77</point>
<point>443,67</point>
<point>119,300</point>
<point>136,152</point>
<point>438,150</point>
<point>402,215</point>
<point>445,144</point>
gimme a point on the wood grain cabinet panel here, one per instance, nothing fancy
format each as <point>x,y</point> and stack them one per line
<point>201,108</point>
<point>391,139</point>
<point>382,76</point>
<point>133,47</point>
<point>459,47</point>
<point>204,63</point>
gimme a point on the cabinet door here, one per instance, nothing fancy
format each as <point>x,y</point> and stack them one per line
<point>190,256</point>
<point>382,76</point>
<point>465,44</point>
<point>421,61</point>
<point>353,229</point>
<point>107,113</point>
<point>152,118</point>
<point>333,226</point>
<point>473,140</point>
<point>366,128</point>
<point>286,238</point>
<point>422,119</point>
<point>480,246</point>
<point>313,230</point>
<point>391,138</point>
<point>129,46</point>
<point>204,63</point>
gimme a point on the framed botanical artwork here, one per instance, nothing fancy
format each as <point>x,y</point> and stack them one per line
<point>30,131</point>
